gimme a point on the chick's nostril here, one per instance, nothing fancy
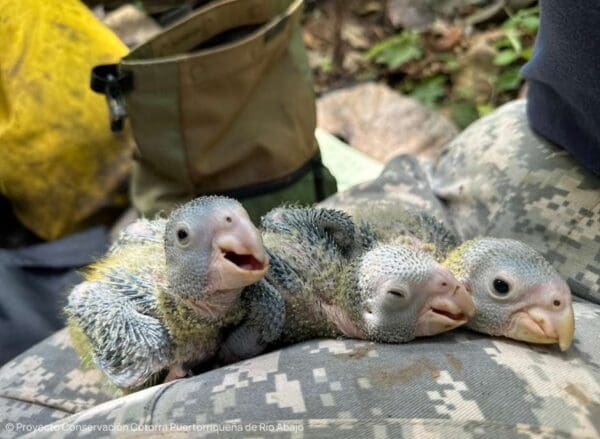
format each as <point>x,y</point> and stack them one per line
<point>449,285</point>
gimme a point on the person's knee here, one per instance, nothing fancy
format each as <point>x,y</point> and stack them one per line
<point>500,179</point>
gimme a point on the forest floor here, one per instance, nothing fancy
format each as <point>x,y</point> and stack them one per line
<point>461,57</point>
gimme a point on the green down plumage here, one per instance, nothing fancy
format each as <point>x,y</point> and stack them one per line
<point>156,304</point>
<point>517,293</point>
<point>338,280</point>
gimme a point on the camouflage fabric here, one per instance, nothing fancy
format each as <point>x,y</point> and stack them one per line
<point>404,180</point>
<point>499,179</point>
<point>461,384</point>
<point>46,383</point>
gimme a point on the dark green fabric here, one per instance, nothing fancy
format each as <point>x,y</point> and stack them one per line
<point>302,192</point>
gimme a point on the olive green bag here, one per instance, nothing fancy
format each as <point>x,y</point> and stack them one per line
<point>221,103</point>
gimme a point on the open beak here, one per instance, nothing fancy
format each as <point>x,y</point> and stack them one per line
<point>241,258</point>
<point>450,304</point>
<point>540,325</point>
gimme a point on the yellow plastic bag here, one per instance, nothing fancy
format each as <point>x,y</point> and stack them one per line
<point>59,162</point>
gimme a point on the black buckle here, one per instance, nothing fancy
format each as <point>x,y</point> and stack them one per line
<point>109,81</point>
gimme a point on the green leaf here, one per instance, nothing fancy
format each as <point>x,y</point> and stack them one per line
<point>463,113</point>
<point>532,24</point>
<point>503,43</point>
<point>515,41</point>
<point>506,57</point>
<point>526,20</point>
<point>430,90</point>
<point>397,50</point>
<point>400,56</point>
<point>484,109</point>
<point>526,54</point>
<point>508,80</point>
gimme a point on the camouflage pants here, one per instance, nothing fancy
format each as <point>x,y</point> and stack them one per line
<point>499,179</point>
<point>495,178</point>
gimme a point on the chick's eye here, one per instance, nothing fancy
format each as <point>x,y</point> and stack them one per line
<point>182,236</point>
<point>501,286</point>
<point>396,293</point>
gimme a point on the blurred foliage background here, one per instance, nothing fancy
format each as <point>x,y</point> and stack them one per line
<point>461,57</point>
<point>458,57</point>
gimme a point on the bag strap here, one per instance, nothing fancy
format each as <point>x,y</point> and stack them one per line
<point>314,165</point>
<point>113,83</point>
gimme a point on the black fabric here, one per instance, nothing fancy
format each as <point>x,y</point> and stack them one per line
<point>314,165</point>
<point>564,78</point>
<point>34,282</point>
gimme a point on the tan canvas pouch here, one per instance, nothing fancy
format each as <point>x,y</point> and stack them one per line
<point>234,117</point>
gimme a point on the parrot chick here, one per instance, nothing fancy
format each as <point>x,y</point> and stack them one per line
<point>397,293</point>
<point>337,280</point>
<point>517,293</point>
<point>156,303</point>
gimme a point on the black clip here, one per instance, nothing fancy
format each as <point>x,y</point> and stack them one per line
<point>108,80</point>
